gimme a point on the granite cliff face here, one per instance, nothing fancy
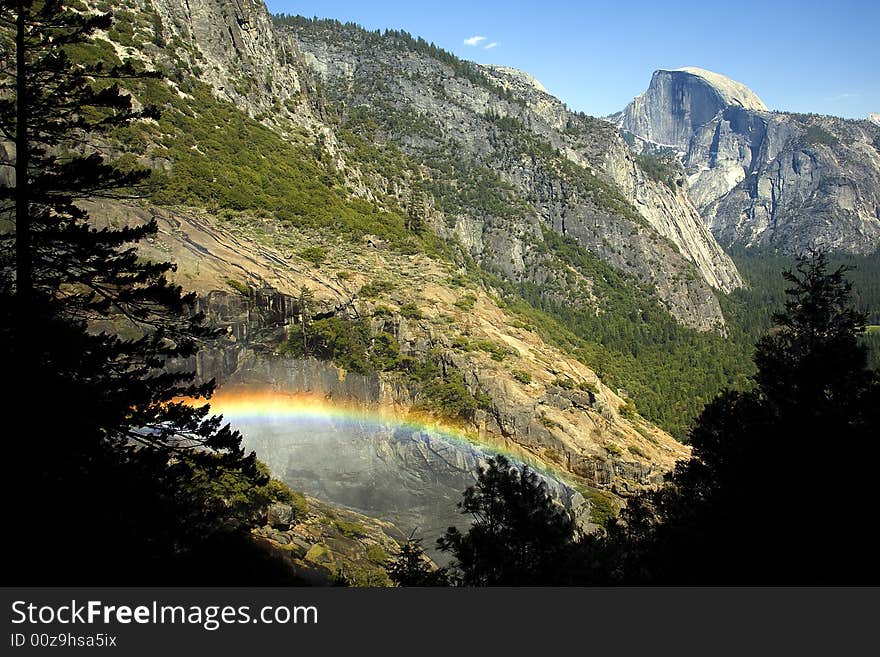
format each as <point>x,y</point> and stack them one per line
<point>679,102</point>
<point>773,180</point>
<point>468,128</point>
<point>413,478</point>
<point>804,182</point>
<point>565,172</point>
<point>231,45</point>
<point>538,403</point>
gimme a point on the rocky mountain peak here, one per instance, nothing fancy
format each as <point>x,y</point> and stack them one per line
<point>874,117</point>
<point>679,102</point>
<point>763,179</point>
<point>733,92</point>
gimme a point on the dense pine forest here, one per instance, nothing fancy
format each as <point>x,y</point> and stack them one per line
<point>750,310</point>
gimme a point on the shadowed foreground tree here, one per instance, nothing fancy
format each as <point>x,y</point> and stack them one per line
<point>411,567</point>
<point>520,536</point>
<point>111,479</point>
<point>781,485</point>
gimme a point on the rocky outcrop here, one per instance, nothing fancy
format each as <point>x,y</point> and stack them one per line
<point>515,80</point>
<point>325,545</point>
<point>233,47</point>
<point>874,118</point>
<point>770,180</point>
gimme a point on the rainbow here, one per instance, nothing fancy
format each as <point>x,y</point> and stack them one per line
<point>255,406</point>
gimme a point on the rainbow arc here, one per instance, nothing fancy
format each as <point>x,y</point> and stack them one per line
<point>304,409</point>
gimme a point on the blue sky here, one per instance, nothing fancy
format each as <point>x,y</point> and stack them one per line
<point>799,56</point>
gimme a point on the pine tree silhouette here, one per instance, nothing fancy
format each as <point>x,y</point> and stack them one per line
<point>104,455</point>
<point>411,567</point>
<point>781,481</point>
<point>520,536</point>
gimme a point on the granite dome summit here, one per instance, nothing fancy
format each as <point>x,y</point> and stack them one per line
<point>732,91</point>
<point>762,179</point>
<point>679,101</point>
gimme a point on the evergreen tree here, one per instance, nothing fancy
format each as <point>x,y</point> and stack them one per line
<point>520,536</point>
<point>780,483</point>
<point>411,567</point>
<point>416,214</point>
<point>108,443</point>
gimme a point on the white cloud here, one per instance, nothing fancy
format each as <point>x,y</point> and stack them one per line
<point>489,46</point>
<point>844,96</point>
<point>474,40</point>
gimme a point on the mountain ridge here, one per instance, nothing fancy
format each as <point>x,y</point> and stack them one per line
<point>252,65</point>
<point>533,122</point>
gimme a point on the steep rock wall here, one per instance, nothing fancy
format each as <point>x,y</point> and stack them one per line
<point>770,180</point>
<point>661,240</point>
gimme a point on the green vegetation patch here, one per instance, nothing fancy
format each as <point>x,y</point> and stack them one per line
<point>377,554</point>
<point>345,342</point>
<point>659,169</point>
<point>603,505</point>
<point>410,310</point>
<point>223,158</point>
<point>522,376</point>
<point>350,344</point>
<point>350,529</point>
<point>749,311</point>
<point>314,254</point>
<point>376,289</point>
<point>815,136</point>
<point>466,302</point>
<point>238,286</point>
